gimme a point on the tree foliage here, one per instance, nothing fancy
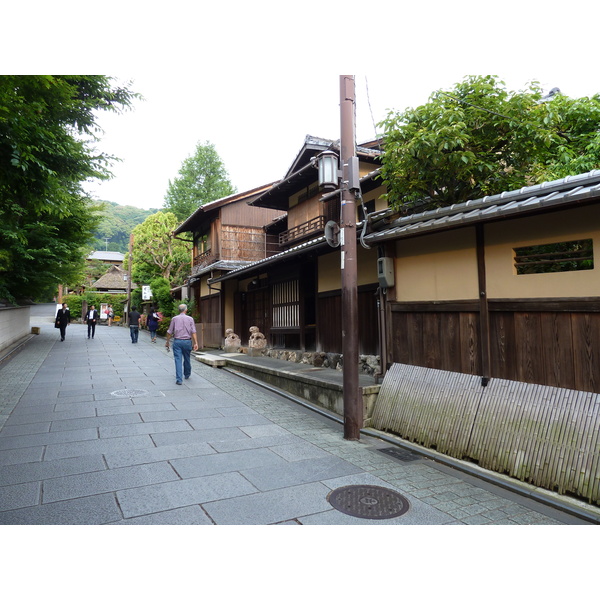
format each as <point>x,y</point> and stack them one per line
<point>156,253</point>
<point>481,139</point>
<point>202,178</point>
<point>47,132</point>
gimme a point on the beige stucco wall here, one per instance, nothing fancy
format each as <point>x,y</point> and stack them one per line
<point>204,289</point>
<point>330,277</point>
<point>562,226</point>
<point>442,266</point>
<point>375,194</point>
<point>229,290</point>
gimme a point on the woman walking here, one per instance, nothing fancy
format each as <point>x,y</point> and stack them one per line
<point>153,319</point>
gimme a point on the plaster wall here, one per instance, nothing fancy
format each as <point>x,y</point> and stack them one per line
<point>562,226</point>
<point>14,325</point>
<point>228,316</point>
<point>441,266</point>
<point>330,276</point>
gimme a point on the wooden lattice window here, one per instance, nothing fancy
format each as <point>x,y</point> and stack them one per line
<point>555,258</point>
<point>286,304</point>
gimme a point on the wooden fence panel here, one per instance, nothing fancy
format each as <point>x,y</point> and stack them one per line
<point>586,353</point>
<point>556,345</point>
<point>503,345</point>
<point>329,322</point>
<point>469,350</point>
<point>557,348</point>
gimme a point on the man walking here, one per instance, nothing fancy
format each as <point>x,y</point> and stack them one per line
<point>91,318</point>
<point>134,324</point>
<point>183,331</point>
<point>63,318</point>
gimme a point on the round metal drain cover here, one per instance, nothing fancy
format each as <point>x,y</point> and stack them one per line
<point>129,393</point>
<point>368,502</point>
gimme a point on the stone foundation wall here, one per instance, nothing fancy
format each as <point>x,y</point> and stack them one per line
<point>368,364</point>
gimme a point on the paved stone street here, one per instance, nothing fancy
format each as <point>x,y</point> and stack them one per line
<point>95,431</point>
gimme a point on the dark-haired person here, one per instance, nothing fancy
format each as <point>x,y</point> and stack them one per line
<point>91,318</point>
<point>134,324</point>
<point>63,319</point>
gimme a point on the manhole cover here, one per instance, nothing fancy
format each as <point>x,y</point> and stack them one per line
<point>403,455</point>
<point>129,393</point>
<point>368,502</point>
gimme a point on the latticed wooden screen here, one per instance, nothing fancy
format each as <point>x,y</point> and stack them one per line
<point>286,304</point>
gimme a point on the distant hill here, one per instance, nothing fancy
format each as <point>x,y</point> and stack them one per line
<point>117,224</point>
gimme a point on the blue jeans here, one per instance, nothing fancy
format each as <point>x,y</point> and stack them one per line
<point>134,331</point>
<point>182,350</point>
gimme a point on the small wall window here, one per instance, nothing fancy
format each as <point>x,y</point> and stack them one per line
<point>555,258</point>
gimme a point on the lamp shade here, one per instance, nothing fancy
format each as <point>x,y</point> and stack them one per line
<point>328,169</point>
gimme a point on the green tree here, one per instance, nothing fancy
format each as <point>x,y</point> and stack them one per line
<point>480,139</point>
<point>156,253</point>
<point>47,134</point>
<point>202,178</point>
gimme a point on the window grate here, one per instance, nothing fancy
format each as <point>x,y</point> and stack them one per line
<point>559,257</point>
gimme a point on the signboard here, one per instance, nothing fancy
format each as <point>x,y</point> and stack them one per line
<point>146,292</point>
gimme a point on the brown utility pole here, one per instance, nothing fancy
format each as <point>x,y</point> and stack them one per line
<point>353,405</point>
<point>129,279</point>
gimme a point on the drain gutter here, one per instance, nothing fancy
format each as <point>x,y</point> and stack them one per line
<point>523,489</point>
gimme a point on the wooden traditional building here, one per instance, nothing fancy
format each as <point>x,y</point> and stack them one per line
<point>226,234</point>
<point>294,295</point>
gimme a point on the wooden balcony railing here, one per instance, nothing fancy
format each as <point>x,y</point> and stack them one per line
<point>303,230</point>
<point>205,259</point>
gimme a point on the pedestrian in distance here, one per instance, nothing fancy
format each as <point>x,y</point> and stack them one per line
<point>110,314</point>
<point>63,320</point>
<point>134,324</point>
<point>91,318</point>
<point>183,331</point>
<point>153,320</point>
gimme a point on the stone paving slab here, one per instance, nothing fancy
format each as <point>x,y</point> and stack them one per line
<point>270,507</point>
<point>93,510</point>
<point>228,462</point>
<point>21,455</point>
<point>298,472</point>
<point>39,471</point>
<point>156,454</point>
<point>189,515</point>
<point>177,494</point>
<point>110,480</point>
<point>97,446</point>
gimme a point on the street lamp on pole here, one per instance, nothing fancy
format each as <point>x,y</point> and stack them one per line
<point>328,176</point>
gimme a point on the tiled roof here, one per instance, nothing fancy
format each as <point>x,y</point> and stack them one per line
<point>528,200</point>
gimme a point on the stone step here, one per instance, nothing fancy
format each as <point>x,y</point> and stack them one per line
<point>210,359</point>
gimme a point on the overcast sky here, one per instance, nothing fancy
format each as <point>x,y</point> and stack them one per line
<point>254,78</point>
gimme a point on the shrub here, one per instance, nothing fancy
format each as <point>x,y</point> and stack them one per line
<point>163,326</point>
